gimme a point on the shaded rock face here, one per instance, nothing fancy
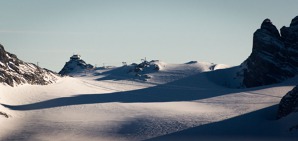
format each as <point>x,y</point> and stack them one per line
<point>75,65</point>
<point>288,104</point>
<point>14,71</point>
<point>274,57</point>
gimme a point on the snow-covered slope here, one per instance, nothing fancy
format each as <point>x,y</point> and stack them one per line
<point>156,71</point>
<point>111,104</point>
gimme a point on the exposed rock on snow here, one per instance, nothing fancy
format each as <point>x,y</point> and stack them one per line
<point>4,114</point>
<point>288,104</point>
<point>154,71</point>
<point>141,70</point>
<point>14,71</point>
<point>274,58</point>
<point>75,65</point>
<point>145,66</point>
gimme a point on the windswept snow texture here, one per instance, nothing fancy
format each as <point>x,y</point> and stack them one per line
<point>179,101</point>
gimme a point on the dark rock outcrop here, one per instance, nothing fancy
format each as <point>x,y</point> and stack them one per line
<point>145,66</point>
<point>75,65</point>
<point>142,70</point>
<point>14,71</point>
<point>288,104</point>
<point>274,57</point>
<point>4,114</point>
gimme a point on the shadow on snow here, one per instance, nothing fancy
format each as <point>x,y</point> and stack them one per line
<point>191,88</point>
<point>257,126</point>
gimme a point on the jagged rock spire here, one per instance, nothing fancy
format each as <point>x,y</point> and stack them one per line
<point>274,58</point>
<point>267,24</point>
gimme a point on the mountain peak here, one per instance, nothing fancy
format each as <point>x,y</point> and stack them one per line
<point>268,25</point>
<point>267,21</point>
<point>14,71</point>
<point>75,65</point>
<point>294,21</point>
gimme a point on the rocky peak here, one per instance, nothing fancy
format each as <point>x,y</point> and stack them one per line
<point>75,65</point>
<point>294,22</point>
<point>14,71</point>
<point>290,34</point>
<point>274,58</point>
<point>267,25</point>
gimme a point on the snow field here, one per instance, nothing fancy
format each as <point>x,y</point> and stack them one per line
<point>179,97</point>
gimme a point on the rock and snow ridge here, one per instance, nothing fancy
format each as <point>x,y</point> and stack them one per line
<point>14,71</point>
<point>154,71</point>
<point>274,57</point>
<point>75,65</point>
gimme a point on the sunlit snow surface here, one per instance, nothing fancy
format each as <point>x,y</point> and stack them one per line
<point>179,102</point>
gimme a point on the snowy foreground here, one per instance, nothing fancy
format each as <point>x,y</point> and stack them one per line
<point>179,102</point>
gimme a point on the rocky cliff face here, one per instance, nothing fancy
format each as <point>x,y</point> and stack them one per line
<point>14,71</point>
<point>75,65</point>
<point>288,104</point>
<point>274,57</point>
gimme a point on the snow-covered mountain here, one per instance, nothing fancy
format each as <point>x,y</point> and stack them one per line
<point>155,100</point>
<point>274,57</point>
<point>75,66</point>
<point>14,71</point>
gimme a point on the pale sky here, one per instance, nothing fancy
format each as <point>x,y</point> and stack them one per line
<point>115,31</point>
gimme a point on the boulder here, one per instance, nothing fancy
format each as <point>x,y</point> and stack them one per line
<point>288,103</point>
